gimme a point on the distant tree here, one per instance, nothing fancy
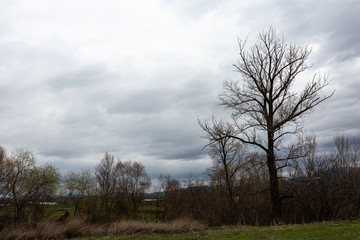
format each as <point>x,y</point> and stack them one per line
<point>325,186</point>
<point>106,175</point>
<point>195,196</point>
<point>78,185</point>
<point>3,176</point>
<point>172,196</point>
<point>45,180</point>
<point>339,183</point>
<point>264,107</point>
<point>132,182</point>
<point>2,154</point>
<point>21,164</point>
<point>229,162</point>
<point>28,182</point>
<point>121,182</point>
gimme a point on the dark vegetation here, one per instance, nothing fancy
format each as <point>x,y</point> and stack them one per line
<point>259,175</point>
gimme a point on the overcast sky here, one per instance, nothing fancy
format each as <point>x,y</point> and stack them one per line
<point>82,77</point>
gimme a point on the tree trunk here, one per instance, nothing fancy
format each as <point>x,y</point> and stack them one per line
<point>274,182</point>
<point>274,190</point>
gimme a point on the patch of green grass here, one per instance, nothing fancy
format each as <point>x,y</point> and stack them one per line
<point>328,230</point>
<point>151,207</point>
<point>58,213</point>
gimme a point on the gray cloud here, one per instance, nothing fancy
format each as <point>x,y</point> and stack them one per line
<point>333,25</point>
<point>81,78</point>
<point>195,9</point>
<point>133,81</point>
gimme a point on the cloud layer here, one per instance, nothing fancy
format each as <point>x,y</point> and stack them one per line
<point>131,77</point>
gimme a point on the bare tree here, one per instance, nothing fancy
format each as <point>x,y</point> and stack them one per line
<point>121,183</point>
<point>171,196</point>
<point>105,174</point>
<point>132,182</point>
<point>264,107</point>
<point>3,175</point>
<point>325,184</point>
<point>229,160</point>
<point>2,154</point>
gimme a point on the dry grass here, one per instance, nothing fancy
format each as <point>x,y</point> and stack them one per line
<point>136,227</point>
<point>77,227</point>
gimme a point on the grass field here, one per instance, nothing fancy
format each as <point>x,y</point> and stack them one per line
<point>326,230</point>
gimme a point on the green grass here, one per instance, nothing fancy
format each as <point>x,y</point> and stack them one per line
<point>58,207</point>
<point>328,230</point>
<point>55,211</point>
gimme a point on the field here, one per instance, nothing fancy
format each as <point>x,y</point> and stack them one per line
<point>327,230</point>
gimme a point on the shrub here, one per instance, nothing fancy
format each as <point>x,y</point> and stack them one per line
<point>78,227</point>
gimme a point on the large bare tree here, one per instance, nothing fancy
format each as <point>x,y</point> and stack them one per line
<point>264,106</point>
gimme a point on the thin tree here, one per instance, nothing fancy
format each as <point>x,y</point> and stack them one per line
<point>171,196</point>
<point>229,160</point>
<point>79,185</point>
<point>105,174</point>
<point>3,176</point>
<point>264,107</point>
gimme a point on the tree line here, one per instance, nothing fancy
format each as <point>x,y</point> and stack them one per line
<point>318,186</point>
<point>115,188</point>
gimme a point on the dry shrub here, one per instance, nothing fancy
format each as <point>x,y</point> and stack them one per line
<point>77,227</point>
<point>50,229</point>
<point>19,233</point>
<point>138,227</point>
